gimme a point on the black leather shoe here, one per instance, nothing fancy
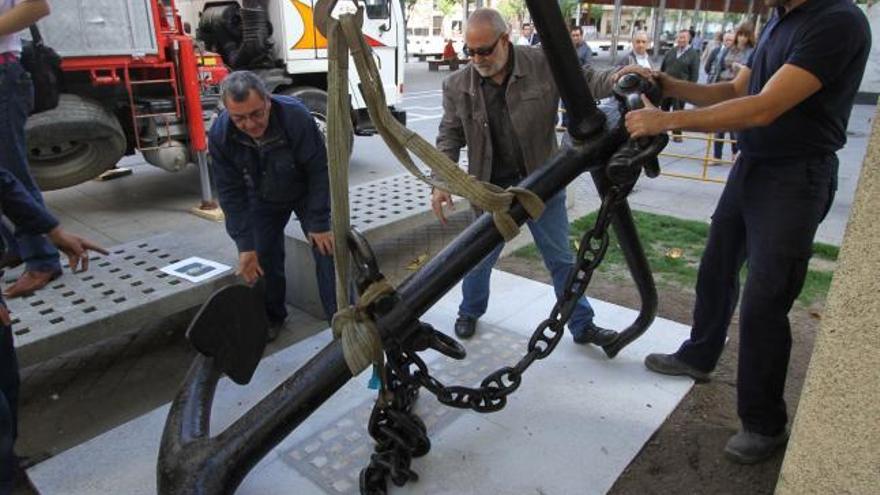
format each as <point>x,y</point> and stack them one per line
<point>465,327</point>
<point>592,334</point>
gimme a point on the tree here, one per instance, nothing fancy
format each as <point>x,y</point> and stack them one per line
<point>568,8</point>
<point>512,10</point>
<point>447,7</point>
<point>408,7</point>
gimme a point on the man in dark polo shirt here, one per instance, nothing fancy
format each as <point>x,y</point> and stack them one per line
<point>790,107</point>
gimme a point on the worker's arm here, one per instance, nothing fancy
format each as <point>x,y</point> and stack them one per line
<point>703,95</point>
<point>19,206</point>
<point>788,87</point>
<point>31,217</point>
<point>450,140</point>
<point>232,193</point>
<point>22,15</point>
<point>450,136</point>
<point>818,59</point>
<point>311,152</point>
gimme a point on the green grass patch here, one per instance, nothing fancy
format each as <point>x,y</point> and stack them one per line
<point>674,248</point>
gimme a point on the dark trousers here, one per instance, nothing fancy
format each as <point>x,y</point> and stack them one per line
<point>673,104</point>
<point>8,408</point>
<point>767,217</point>
<point>269,222</point>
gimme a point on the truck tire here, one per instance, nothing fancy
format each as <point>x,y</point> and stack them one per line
<point>73,143</point>
<point>316,101</point>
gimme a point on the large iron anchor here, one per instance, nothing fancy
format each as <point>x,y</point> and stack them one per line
<point>230,336</point>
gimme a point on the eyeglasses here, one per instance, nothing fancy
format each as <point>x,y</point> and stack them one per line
<point>255,116</point>
<point>483,52</point>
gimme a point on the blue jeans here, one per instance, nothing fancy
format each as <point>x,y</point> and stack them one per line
<point>551,236</point>
<point>269,221</point>
<point>16,100</point>
<point>8,408</point>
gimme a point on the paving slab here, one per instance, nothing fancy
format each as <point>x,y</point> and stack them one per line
<point>119,293</point>
<point>572,427</point>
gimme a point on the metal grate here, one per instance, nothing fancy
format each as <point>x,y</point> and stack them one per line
<point>388,201</point>
<point>128,279</point>
<point>333,457</point>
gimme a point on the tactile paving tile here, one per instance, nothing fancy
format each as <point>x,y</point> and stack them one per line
<point>126,280</point>
<point>387,201</point>
<point>333,458</point>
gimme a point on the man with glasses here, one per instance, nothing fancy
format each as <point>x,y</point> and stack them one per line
<point>503,106</point>
<point>269,160</point>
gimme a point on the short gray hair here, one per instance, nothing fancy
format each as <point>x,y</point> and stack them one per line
<point>239,84</point>
<point>491,17</point>
<point>641,33</point>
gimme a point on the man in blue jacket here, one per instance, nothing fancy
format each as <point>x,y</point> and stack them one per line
<point>269,160</point>
<point>31,218</point>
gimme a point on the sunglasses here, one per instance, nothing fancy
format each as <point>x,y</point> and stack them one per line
<point>484,51</point>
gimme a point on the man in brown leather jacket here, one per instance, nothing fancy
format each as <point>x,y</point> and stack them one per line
<point>503,107</point>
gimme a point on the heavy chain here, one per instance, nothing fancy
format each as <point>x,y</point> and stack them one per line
<point>399,433</point>
<point>492,393</point>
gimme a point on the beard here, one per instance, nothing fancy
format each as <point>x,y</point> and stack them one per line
<point>489,70</point>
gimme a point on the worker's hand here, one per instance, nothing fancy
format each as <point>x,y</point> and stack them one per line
<point>323,241</point>
<point>249,267</point>
<point>439,197</point>
<point>4,316</point>
<point>636,69</point>
<point>75,247</point>
<point>665,81</point>
<point>648,121</point>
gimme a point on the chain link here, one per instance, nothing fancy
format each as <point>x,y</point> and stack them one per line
<point>492,393</point>
<point>400,435</point>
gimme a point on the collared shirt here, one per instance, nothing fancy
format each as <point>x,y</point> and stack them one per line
<point>10,42</point>
<point>508,167</point>
<point>830,39</point>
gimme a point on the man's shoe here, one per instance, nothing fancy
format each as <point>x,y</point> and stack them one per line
<point>10,260</point>
<point>274,329</point>
<point>30,282</point>
<point>677,139</point>
<point>465,327</point>
<point>592,334</point>
<point>668,364</point>
<point>747,447</point>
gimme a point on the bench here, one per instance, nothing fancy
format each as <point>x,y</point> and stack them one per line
<point>382,209</point>
<point>434,65</point>
<point>121,292</point>
<point>424,56</point>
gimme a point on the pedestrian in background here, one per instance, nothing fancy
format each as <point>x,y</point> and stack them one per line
<point>734,57</point>
<point>639,53</point>
<point>682,62</point>
<point>584,53</point>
